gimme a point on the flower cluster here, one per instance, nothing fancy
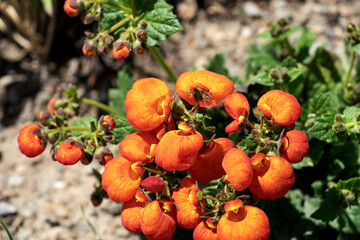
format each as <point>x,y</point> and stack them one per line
<point>99,40</point>
<point>165,172</point>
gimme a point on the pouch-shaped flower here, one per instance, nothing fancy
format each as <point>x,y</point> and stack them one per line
<point>147,104</point>
<point>238,169</point>
<point>281,107</point>
<point>273,176</point>
<point>208,165</point>
<point>242,222</point>
<point>211,86</point>
<point>121,179</point>
<point>294,146</point>
<point>131,212</point>
<point>178,149</point>
<point>139,146</point>
<point>70,152</point>
<point>206,230</point>
<point>187,203</point>
<point>159,220</point>
<point>236,105</point>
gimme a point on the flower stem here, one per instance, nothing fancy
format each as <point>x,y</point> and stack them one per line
<point>111,4</point>
<point>119,24</point>
<point>101,106</point>
<point>348,74</point>
<point>7,231</point>
<point>351,124</point>
<point>69,128</point>
<point>133,8</point>
<point>159,58</point>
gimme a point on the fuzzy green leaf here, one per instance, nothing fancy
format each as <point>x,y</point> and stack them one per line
<point>111,16</point>
<point>117,95</point>
<point>304,43</point>
<point>217,64</point>
<point>84,121</point>
<point>122,129</point>
<point>161,23</point>
<point>263,79</point>
<point>330,207</point>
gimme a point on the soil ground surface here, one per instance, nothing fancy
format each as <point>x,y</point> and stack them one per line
<point>42,199</point>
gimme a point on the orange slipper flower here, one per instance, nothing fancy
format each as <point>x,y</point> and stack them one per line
<point>121,179</point>
<point>178,149</point>
<point>294,146</point>
<point>188,205</point>
<point>121,50</point>
<point>208,165</point>
<point>281,107</point>
<point>238,169</point>
<point>153,184</point>
<point>236,105</point>
<point>243,223</point>
<point>273,176</point>
<point>212,87</point>
<point>31,144</point>
<point>147,104</point>
<point>131,212</point>
<point>70,8</point>
<point>138,146</point>
<point>159,220</point>
<point>206,230</point>
<point>107,123</point>
<point>70,152</point>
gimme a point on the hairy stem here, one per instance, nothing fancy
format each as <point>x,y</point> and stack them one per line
<point>159,58</point>
<point>348,74</point>
<point>111,4</point>
<point>101,106</point>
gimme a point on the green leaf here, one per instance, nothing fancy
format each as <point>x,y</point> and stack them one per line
<point>217,64</point>
<point>323,131</point>
<point>111,16</point>
<point>122,129</point>
<point>161,23</point>
<point>295,73</point>
<point>48,7</point>
<point>117,96</point>
<point>256,61</point>
<point>355,48</point>
<point>289,62</point>
<point>263,79</point>
<point>349,222</point>
<point>318,105</point>
<point>330,207</point>
<point>352,184</point>
<point>303,44</point>
<point>84,121</point>
<point>352,120</point>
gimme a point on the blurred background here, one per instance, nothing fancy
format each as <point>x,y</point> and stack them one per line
<point>40,49</point>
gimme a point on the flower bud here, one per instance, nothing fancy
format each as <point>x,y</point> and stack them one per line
<point>142,24</point>
<point>153,184</point>
<point>88,49</point>
<point>140,47</point>
<point>142,36</point>
<point>121,50</point>
<point>31,143</point>
<point>71,8</point>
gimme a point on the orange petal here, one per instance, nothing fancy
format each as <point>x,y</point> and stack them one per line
<point>215,87</point>
<point>30,144</point>
<point>178,149</point>
<point>69,153</point>
<point>250,223</point>
<point>281,107</point>
<point>236,105</point>
<point>294,146</point>
<point>206,230</point>
<point>71,11</point>
<point>137,147</point>
<point>121,179</point>
<point>186,200</point>
<point>131,212</point>
<point>208,165</point>
<point>233,127</point>
<point>275,181</point>
<point>160,130</point>
<point>147,103</point>
<point>159,220</point>
<point>238,168</point>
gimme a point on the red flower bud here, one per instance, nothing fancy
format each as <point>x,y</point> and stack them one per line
<point>70,8</point>
<point>30,141</point>
<point>213,87</point>
<point>121,50</point>
<point>69,153</point>
<point>281,107</point>
<point>153,184</point>
<point>294,146</point>
<point>88,50</point>
<point>51,106</point>
<point>108,123</point>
